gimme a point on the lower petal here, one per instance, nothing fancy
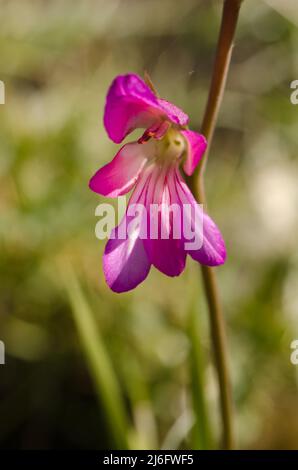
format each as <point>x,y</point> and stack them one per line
<point>166,254</point>
<point>125,264</point>
<point>212,251</point>
<point>120,175</point>
<point>125,261</point>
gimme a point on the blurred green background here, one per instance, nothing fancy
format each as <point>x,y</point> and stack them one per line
<point>86,368</point>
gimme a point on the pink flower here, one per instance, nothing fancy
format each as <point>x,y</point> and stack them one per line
<point>151,167</point>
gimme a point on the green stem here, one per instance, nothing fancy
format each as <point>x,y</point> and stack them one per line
<point>100,367</point>
<point>219,76</point>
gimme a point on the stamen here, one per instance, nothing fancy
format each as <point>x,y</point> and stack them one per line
<point>145,137</point>
<point>149,82</point>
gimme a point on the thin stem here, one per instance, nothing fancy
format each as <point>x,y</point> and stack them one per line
<point>220,353</point>
<point>201,435</point>
<point>219,76</point>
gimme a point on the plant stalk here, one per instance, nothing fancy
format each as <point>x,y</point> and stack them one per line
<point>220,71</point>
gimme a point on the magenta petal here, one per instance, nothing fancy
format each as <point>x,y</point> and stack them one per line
<point>125,261</point>
<point>120,175</point>
<point>174,114</point>
<point>213,250</point>
<point>196,144</point>
<point>125,264</point>
<point>131,104</point>
<point>166,254</point>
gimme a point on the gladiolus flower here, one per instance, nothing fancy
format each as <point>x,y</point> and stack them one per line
<point>151,166</point>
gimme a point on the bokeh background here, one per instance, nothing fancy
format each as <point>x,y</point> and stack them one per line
<point>86,368</point>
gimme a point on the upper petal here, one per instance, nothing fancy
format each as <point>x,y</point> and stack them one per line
<point>174,114</point>
<point>196,146</point>
<point>120,175</point>
<point>131,104</point>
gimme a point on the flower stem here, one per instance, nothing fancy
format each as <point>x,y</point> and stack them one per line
<point>219,76</point>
